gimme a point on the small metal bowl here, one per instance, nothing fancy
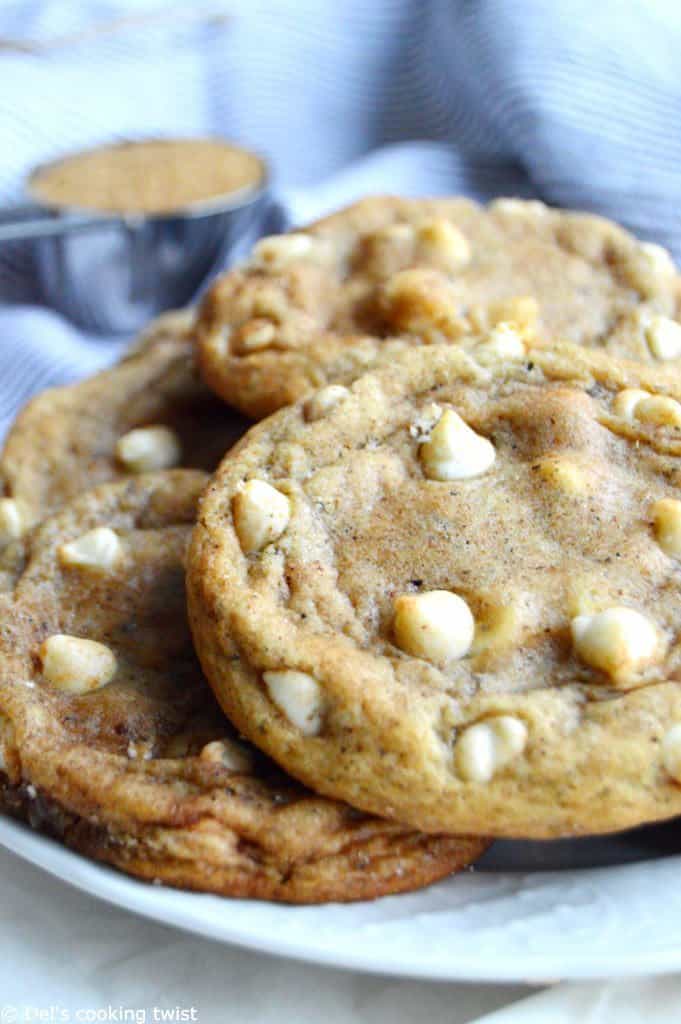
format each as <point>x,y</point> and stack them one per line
<point>112,274</point>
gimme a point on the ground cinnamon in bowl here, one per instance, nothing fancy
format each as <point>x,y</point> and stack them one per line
<point>155,176</point>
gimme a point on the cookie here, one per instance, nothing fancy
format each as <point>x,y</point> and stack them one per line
<point>112,740</point>
<point>150,411</point>
<point>450,593</point>
<point>313,307</point>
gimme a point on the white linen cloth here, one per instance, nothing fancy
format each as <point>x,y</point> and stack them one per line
<point>575,102</point>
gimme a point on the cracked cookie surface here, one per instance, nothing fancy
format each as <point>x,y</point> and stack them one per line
<point>452,593</point>
<point>315,306</point>
<point>111,739</point>
<point>152,402</point>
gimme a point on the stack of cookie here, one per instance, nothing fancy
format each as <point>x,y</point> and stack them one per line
<point>438,583</point>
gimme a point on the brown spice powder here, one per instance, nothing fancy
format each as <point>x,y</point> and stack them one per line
<point>154,176</point>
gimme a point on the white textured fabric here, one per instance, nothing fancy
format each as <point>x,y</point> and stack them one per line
<point>573,101</point>
<point>62,949</point>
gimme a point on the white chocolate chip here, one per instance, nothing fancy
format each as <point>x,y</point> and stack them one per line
<point>644,266</point>
<point>13,520</point>
<point>504,341</point>
<point>521,312</point>
<point>277,252</point>
<point>512,207</point>
<point>299,697</point>
<point>228,754</point>
<point>98,549</point>
<point>657,258</point>
<point>671,752</point>
<point>486,747</point>
<point>667,525</point>
<point>626,402</point>
<point>76,665</point>
<point>253,335</point>
<point>436,625</point>
<point>659,410</point>
<point>319,404</point>
<point>422,300</point>
<point>562,472</point>
<point>441,242</point>
<point>664,337</point>
<point>618,641</point>
<point>454,451</point>
<point>261,514</point>
<point>149,448</point>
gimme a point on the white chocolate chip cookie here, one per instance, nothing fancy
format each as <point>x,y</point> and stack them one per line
<point>111,739</point>
<point>316,307</point>
<point>471,612</point>
<point>148,412</point>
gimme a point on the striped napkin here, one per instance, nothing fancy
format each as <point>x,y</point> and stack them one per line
<point>576,102</point>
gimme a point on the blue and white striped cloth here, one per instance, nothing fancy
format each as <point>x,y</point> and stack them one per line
<point>573,101</point>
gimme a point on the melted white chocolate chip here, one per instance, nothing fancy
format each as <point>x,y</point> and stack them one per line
<point>626,402</point>
<point>440,242</point>
<point>504,341</point>
<point>521,312</point>
<point>667,525</point>
<point>658,410</point>
<point>562,472</point>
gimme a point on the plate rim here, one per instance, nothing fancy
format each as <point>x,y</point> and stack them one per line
<point>145,900</point>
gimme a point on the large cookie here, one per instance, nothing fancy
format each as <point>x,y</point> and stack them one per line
<point>144,771</point>
<point>314,307</point>
<point>451,593</point>
<point>71,438</point>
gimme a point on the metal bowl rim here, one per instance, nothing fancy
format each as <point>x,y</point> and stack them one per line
<point>226,202</point>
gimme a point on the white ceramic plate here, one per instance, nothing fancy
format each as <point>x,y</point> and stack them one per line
<point>486,925</point>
